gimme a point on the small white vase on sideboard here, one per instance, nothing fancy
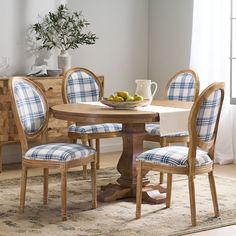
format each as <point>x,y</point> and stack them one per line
<point>64,61</point>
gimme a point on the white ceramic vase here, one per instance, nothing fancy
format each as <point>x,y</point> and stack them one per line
<point>64,61</point>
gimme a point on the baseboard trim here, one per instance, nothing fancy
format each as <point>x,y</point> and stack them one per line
<point>116,145</point>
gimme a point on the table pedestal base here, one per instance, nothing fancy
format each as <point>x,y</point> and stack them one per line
<point>154,194</point>
<point>151,193</point>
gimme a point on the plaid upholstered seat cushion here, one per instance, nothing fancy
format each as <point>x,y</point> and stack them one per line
<point>173,156</point>
<point>97,128</point>
<point>59,152</point>
<point>154,129</point>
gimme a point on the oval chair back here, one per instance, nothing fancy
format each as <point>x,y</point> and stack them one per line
<point>183,86</point>
<point>204,119</point>
<point>30,109</point>
<point>81,85</point>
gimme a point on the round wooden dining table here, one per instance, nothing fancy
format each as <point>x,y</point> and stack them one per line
<point>133,131</point>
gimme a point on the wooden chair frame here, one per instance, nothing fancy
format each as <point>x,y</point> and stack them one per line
<point>191,170</point>
<point>166,140</point>
<point>46,164</point>
<point>87,138</point>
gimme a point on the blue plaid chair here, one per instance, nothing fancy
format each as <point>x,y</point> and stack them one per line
<point>81,85</point>
<point>30,110</point>
<point>196,159</point>
<point>183,86</point>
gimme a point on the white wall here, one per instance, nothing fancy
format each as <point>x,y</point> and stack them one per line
<point>170,25</point>
<point>15,18</point>
<point>121,52</point>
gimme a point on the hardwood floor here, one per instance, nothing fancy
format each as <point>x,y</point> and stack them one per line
<point>110,160</point>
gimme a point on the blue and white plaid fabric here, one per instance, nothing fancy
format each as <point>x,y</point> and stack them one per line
<point>29,105</point>
<point>154,129</point>
<point>173,156</point>
<point>59,152</point>
<point>98,128</point>
<point>182,88</point>
<point>207,115</point>
<point>81,87</point>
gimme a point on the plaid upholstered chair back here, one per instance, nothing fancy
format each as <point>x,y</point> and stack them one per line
<point>205,115</point>
<point>30,106</point>
<point>81,85</point>
<point>183,86</point>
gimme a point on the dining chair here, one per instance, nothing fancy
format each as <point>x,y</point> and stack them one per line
<point>31,115</point>
<point>183,86</point>
<point>82,85</point>
<point>194,160</point>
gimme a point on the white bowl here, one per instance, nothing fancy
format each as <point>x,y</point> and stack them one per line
<point>54,72</point>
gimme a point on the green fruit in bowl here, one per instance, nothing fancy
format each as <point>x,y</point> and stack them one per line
<point>129,99</point>
<point>119,99</point>
<point>138,98</point>
<point>111,98</point>
<point>123,94</point>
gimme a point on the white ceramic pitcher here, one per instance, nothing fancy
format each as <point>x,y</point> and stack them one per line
<point>144,88</point>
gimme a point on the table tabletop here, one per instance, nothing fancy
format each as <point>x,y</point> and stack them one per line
<point>94,113</point>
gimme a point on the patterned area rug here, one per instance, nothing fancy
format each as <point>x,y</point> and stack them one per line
<point>115,218</point>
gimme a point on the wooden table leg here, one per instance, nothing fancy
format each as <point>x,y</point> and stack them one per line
<point>126,183</point>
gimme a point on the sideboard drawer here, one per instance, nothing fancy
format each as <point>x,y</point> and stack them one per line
<point>52,90</point>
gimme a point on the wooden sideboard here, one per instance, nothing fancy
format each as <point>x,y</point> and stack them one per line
<point>56,128</point>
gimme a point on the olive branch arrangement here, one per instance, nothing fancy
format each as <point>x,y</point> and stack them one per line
<point>63,30</point>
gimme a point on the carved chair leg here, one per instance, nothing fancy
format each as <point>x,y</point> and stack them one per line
<point>139,190</point>
<point>94,185</point>
<point>85,171</point>
<point>63,193</point>
<point>98,154</point>
<point>90,141</point>
<point>169,190</point>
<point>163,143</point>
<point>23,187</point>
<point>213,193</point>
<point>84,142</point>
<point>161,178</point>
<point>192,200</point>
<point>45,186</point>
